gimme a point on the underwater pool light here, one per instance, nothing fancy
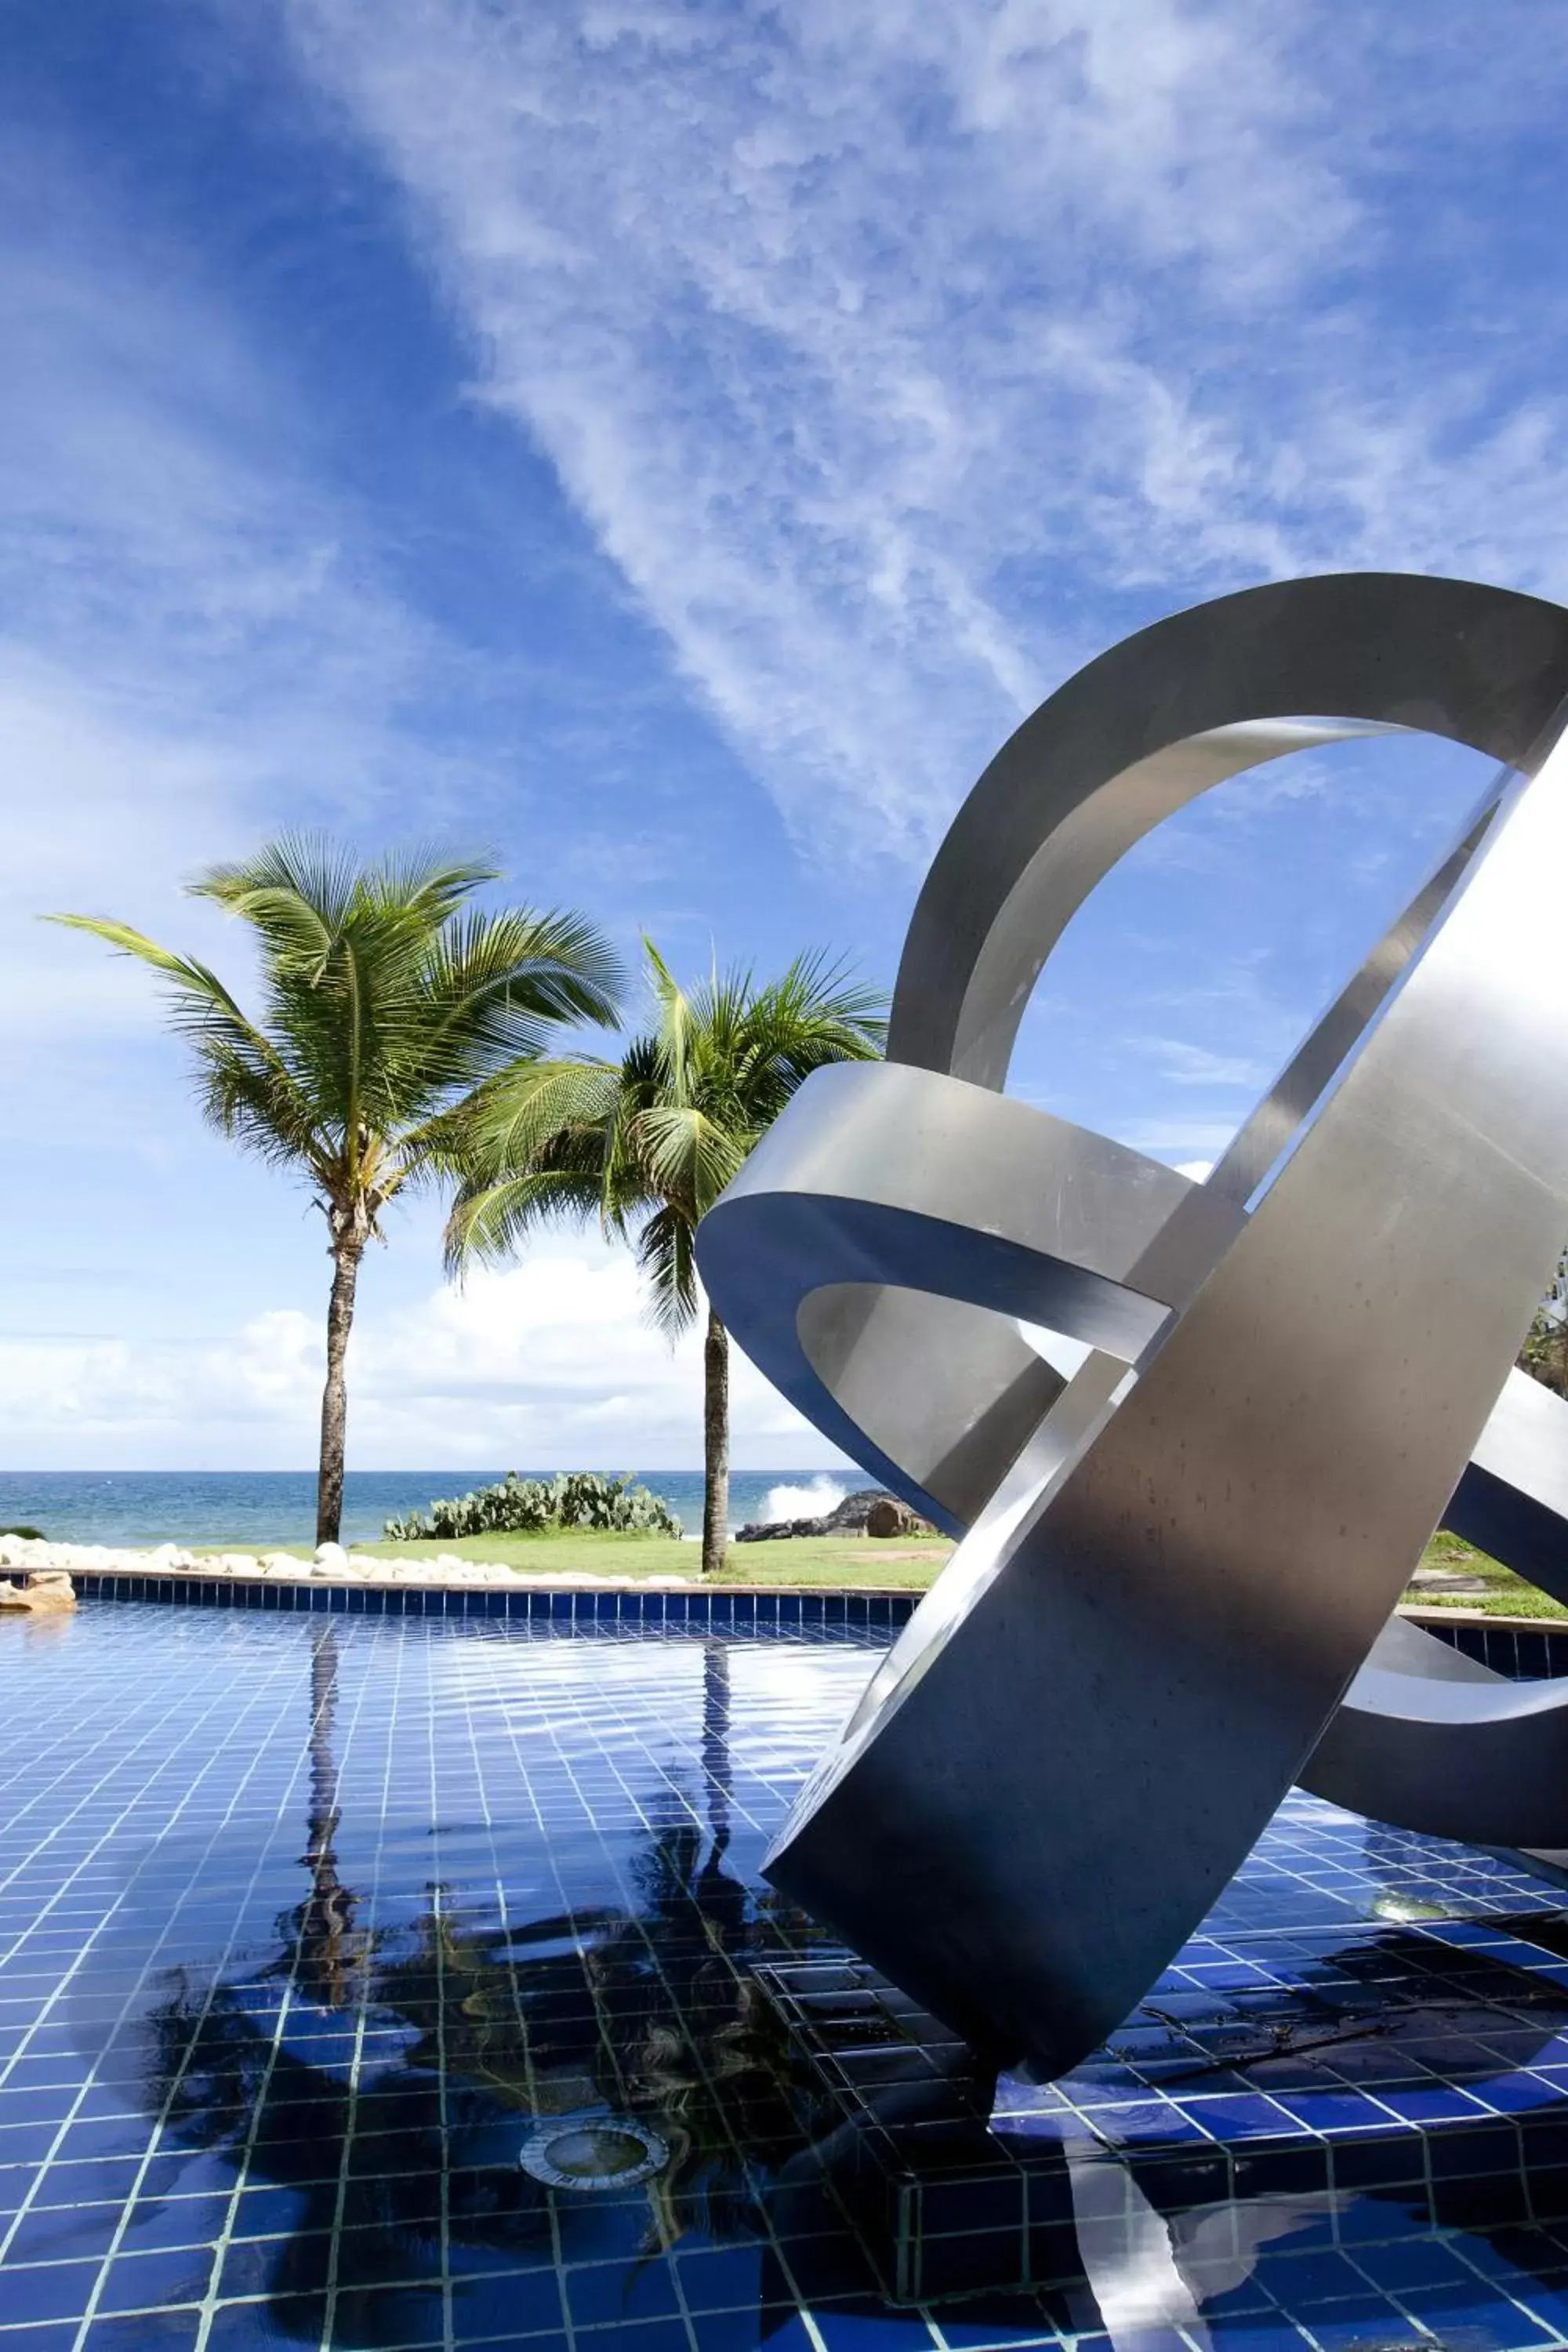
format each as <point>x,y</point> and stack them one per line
<point>593,2152</point>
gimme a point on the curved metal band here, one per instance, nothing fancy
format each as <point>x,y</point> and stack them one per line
<point>942,1445</point>
<point>1390,1750</point>
<point>837,1345</point>
<point>1490,1767</point>
<point>1071,790</point>
<point>915,1218</point>
<point>1098,1608</point>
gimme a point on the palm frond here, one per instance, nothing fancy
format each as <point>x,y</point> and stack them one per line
<point>666,1260</point>
<point>505,1122</point>
<point>258,1106</point>
<point>384,1005</point>
<point>690,1158</point>
<point>346,955</point>
<point>817,992</point>
<point>489,1224</point>
<point>662,1133</point>
<point>498,984</point>
<point>538,1140</point>
<point>425,882</point>
<point>247,1085</point>
<point>295,893</point>
<point>191,984</point>
<point>674,1025</point>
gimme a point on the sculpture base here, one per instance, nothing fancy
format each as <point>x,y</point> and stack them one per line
<point>1370,2032</point>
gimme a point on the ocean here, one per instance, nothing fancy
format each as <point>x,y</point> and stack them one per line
<point>246,1507</point>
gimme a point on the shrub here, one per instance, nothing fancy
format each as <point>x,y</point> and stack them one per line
<point>531,1507</point>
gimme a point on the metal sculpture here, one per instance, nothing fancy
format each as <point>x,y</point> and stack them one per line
<point>1174,1591</point>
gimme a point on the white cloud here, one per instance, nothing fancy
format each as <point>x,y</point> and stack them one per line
<point>875,340</point>
<point>549,1362</point>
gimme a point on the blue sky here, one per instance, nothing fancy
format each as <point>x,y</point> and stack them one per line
<point>671,447</point>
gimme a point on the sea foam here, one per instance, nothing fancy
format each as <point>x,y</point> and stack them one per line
<point>813,1502</point>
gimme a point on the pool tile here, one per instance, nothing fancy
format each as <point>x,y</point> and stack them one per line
<point>35,2292</point>
<point>56,2234</point>
<point>1473,2313</point>
<point>163,2331</point>
<point>151,2281</point>
<point>513,1870</point>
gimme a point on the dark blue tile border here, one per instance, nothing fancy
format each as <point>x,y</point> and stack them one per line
<point>726,1610</point>
<point>1520,1652</point>
<point>1515,1650</point>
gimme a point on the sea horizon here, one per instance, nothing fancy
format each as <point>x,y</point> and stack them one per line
<point>250,1507</point>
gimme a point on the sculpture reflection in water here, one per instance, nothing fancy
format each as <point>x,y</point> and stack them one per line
<point>403,2168</point>
<point>1175,1590</point>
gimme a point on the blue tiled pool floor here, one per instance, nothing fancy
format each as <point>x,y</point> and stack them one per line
<point>307,1927</point>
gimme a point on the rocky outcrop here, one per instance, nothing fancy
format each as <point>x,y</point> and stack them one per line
<point>871,1512</point>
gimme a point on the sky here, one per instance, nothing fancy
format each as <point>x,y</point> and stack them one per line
<point>670,447</point>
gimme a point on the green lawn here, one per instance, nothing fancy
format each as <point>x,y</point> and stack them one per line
<point>906,1563</point>
<point>1506,1595</point>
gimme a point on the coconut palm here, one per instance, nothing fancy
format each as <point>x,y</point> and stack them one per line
<point>387,997</point>
<point>646,1144</point>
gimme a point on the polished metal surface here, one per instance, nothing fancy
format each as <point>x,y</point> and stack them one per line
<point>1176,1565</point>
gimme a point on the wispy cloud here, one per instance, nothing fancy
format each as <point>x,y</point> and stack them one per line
<point>896,358</point>
<point>886,347</point>
<point>195,640</point>
<point>1180,1140</point>
<point>1195,1066</point>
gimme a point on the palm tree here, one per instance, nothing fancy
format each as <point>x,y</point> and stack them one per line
<point>646,1144</point>
<point>387,999</point>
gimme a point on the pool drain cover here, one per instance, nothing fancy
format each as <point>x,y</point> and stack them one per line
<point>593,2152</point>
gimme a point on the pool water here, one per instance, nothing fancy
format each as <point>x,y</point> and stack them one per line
<point>383,1982</point>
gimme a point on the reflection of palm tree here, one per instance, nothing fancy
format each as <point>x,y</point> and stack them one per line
<point>332,1949</point>
<point>716,1761</point>
<point>651,2009</point>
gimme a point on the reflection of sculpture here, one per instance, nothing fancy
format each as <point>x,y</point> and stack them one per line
<point>1176,1562</point>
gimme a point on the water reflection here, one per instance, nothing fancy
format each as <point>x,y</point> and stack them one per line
<point>1151,2271</point>
<point>331,1951</point>
<point>371,2081</point>
<point>386,2079</point>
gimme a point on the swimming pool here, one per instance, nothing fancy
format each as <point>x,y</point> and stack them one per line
<point>401,1982</point>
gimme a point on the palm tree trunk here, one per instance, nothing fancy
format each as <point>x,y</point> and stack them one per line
<point>715,1444</point>
<point>346,1255</point>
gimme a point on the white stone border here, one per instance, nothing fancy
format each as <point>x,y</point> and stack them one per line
<point>331,1565</point>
